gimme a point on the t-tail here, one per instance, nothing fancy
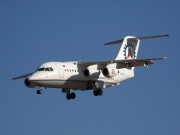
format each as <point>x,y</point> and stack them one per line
<point>130,46</point>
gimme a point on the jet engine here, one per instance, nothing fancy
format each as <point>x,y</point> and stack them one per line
<point>109,72</point>
<point>28,83</point>
<point>91,73</point>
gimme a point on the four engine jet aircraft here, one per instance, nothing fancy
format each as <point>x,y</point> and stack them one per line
<point>90,75</point>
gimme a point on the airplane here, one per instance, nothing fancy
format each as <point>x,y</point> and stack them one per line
<point>91,75</point>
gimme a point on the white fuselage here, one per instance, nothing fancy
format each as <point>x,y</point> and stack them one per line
<point>68,75</point>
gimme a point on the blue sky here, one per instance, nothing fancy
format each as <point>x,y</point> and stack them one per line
<point>34,32</point>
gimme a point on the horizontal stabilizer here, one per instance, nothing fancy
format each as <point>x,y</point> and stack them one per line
<point>135,38</point>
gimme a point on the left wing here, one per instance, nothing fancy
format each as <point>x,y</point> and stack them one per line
<point>123,63</point>
<point>22,76</point>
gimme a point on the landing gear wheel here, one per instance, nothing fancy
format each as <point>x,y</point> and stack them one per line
<point>39,91</point>
<point>70,95</point>
<point>98,92</point>
<point>95,92</point>
<point>73,95</point>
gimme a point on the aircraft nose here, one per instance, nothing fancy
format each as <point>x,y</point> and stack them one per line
<point>32,77</point>
<point>37,76</point>
<point>38,79</point>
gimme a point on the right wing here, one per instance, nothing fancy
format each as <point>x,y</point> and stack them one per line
<point>123,63</point>
<point>22,76</point>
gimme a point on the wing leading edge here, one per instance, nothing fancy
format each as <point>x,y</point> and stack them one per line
<point>122,63</point>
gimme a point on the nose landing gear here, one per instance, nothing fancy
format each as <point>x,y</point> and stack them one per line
<point>39,91</point>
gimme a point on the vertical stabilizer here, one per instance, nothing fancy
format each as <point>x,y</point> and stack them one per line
<point>128,49</point>
<point>130,46</point>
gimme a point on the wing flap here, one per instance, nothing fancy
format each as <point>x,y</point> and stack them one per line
<point>136,63</point>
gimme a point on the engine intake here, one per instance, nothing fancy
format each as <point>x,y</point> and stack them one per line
<point>109,72</point>
<point>28,83</point>
<point>91,73</point>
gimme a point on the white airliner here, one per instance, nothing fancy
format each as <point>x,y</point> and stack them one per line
<point>90,75</point>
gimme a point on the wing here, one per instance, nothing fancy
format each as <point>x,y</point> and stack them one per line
<point>22,76</point>
<point>122,63</point>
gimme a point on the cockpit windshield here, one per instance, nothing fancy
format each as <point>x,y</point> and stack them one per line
<point>45,69</point>
<point>41,69</point>
<point>51,69</point>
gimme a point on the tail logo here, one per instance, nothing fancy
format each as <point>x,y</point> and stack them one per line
<point>129,51</point>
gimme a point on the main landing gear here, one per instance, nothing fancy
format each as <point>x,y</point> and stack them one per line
<point>98,92</point>
<point>71,95</point>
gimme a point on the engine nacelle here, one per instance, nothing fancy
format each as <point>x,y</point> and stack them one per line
<point>29,84</point>
<point>91,73</point>
<point>109,72</point>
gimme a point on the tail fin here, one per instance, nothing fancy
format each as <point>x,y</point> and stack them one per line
<point>128,49</point>
<point>130,46</point>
